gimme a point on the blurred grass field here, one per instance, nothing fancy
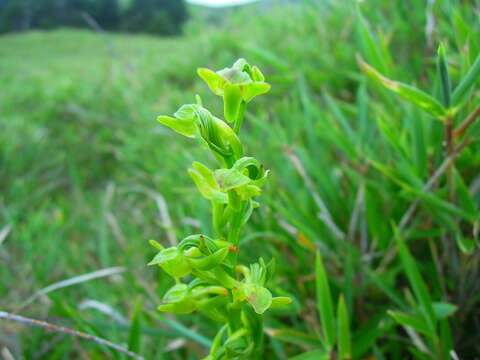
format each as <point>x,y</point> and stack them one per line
<point>87,176</point>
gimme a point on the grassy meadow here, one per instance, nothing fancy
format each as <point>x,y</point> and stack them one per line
<point>87,177</point>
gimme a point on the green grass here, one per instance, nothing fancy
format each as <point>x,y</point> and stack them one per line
<point>82,160</point>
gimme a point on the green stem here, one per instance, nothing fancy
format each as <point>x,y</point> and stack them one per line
<point>234,232</point>
<point>236,225</point>
<point>259,338</point>
<point>217,219</point>
<point>449,151</point>
<point>217,275</point>
<point>234,320</point>
<point>239,120</point>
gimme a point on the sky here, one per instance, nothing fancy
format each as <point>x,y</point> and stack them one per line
<point>220,3</point>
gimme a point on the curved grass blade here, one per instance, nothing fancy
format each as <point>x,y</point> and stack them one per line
<point>407,92</point>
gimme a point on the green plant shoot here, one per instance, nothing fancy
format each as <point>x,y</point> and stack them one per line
<point>208,277</point>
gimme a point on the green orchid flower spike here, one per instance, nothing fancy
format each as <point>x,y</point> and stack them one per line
<point>208,278</point>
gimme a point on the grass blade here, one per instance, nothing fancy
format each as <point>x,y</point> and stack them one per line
<point>312,355</point>
<point>324,303</point>
<point>344,343</point>
<point>370,48</point>
<point>407,92</point>
<point>294,337</point>
<point>415,323</point>
<point>416,281</point>
<point>135,333</point>
<point>442,68</point>
<point>365,337</point>
<point>462,90</point>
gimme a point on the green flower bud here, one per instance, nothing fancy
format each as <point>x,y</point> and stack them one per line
<point>193,120</point>
<point>183,121</point>
<point>173,262</point>
<point>178,300</point>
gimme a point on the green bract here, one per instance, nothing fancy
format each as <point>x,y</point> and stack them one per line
<point>217,289</point>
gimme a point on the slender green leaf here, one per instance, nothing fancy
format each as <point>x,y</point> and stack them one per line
<point>135,333</point>
<point>442,68</point>
<point>366,336</point>
<point>184,331</point>
<point>466,202</point>
<point>295,337</point>
<point>312,355</point>
<point>343,326</point>
<point>415,323</point>
<point>407,92</point>
<point>379,282</point>
<point>446,337</point>
<point>324,303</point>
<point>461,92</point>
<point>415,279</point>
<point>371,48</point>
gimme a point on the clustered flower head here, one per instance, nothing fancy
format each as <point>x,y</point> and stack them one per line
<point>207,276</point>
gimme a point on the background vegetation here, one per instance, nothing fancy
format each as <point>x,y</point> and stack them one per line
<point>151,16</point>
<point>87,177</point>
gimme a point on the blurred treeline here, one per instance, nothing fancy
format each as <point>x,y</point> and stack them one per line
<point>163,17</point>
